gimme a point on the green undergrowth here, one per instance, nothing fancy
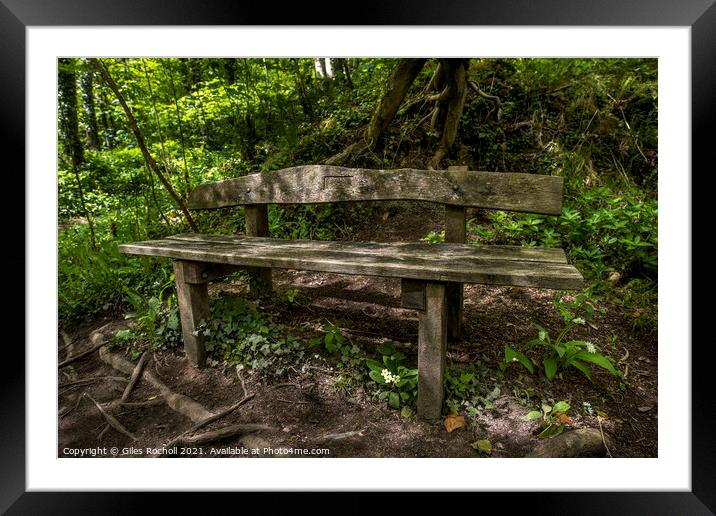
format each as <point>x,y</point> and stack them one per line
<point>94,281</point>
<point>602,232</point>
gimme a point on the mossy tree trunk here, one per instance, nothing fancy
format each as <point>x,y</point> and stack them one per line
<point>87,88</point>
<point>398,85</point>
<point>70,131</point>
<point>446,90</point>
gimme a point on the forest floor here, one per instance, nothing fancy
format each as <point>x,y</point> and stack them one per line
<point>311,409</point>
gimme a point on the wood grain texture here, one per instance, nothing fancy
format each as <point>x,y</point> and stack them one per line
<point>432,348</point>
<point>193,301</point>
<point>455,233</point>
<point>257,225</point>
<point>323,183</point>
<point>456,252</point>
<point>431,262</point>
<point>412,294</point>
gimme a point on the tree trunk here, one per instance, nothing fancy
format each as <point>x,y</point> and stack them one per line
<point>454,73</point>
<point>347,73</point>
<point>304,97</point>
<point>69,122</point>
<point>340,71</point>
<point>230,70</point>
<point>168,68</point>
<point>322,69</point>
<point>450,80</point>
<point>87,87</point>
<point>398,85</point>
<point>106,119</point>
<point>69,129</point>
<point>140,142</point>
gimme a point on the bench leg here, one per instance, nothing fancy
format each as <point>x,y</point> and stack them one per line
<point>259,281</point>
<point>455,232</point>
<point>193,307</point>
<point>432,346</point>
<point>257,225</point>
<point>454,295</point>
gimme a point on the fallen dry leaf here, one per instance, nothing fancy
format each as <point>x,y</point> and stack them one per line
<point>454,421</point>
<point>614,277</point>
<point>483,445</point>
<point>565,419</point>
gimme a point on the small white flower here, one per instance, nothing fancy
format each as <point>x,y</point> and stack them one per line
<point>389,377</point>
<point>542,336</point>
<point>590,347</point>
<point>578,320</point>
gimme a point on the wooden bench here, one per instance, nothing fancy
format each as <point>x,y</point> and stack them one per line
<point>431,275</point>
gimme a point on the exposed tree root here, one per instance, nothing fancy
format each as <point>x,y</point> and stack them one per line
<point>135,376</point>
<point>139,404</point>
<point>78,400</point>
<point>97,343</point>
<point>177,402</point>
<point>87,381</point>
<point>348,154</point>
<point>344,435</point>
<point>583,442</point>
<point>68,345</point>
<point>111,420</point>
<point>222,433</point>
<point>180,438</point>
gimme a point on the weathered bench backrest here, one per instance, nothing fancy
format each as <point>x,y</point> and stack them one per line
<point>323,184</point>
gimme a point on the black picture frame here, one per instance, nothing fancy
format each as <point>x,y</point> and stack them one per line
<point>16,15</point>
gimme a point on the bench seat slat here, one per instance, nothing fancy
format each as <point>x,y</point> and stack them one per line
<point>506,265</point>
<point>416,249</point>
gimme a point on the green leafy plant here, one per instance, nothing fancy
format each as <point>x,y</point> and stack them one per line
<point>156,320</point>
<point>554,418</point>
<point>333,338</point>
<point>291,295</point>
<point>351,356</point>
<point>434,238</point>
<point>560,352</point>
<point>398,383</point>
<point>238,333</point>
<point>343,384</point>
<point>602,232</point>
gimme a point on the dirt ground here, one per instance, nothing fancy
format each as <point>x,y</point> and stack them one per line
<point>306,410</point>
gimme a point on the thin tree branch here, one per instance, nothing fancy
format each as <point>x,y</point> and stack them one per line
<point>97,63</point>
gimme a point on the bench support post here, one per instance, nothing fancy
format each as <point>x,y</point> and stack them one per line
<point>257,225</point>
<point>432,346</point>
<point>193,307</point>
<point>455,232</point>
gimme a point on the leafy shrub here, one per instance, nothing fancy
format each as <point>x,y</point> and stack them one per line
<point>560,352</point>
<point>91,281</point>
<point>600,231</point>
<point>238,333</point>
